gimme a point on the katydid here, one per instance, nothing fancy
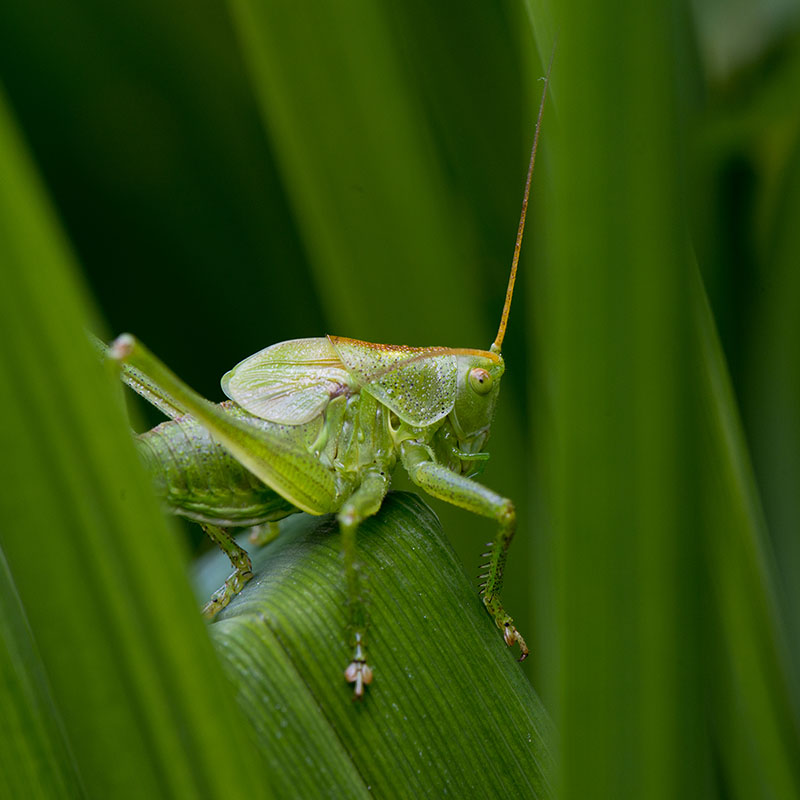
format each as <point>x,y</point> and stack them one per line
<point>318,425</point>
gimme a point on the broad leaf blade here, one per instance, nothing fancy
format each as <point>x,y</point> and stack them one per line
<point>449,710</point>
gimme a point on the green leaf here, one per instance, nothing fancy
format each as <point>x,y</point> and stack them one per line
<point>314,70</point>
<point>449,710</point>
<point>772,399</point>
<point>755,711</point>
<point>672,673</point>
<point>35,760</point>
<point>124,655</point>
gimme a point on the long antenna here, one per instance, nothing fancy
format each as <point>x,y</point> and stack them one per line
<point>498,342</point>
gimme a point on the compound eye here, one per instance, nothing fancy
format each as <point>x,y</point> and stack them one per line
<point>480,380</point>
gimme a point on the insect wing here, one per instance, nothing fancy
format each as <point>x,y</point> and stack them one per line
<point>289,383</point>
<point>417,383</point>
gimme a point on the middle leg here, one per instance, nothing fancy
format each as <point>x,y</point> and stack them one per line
<point>363,503</point>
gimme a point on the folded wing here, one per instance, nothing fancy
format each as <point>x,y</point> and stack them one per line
<point>289,383</point>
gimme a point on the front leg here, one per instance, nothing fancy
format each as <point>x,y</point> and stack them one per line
<point>451,487</point>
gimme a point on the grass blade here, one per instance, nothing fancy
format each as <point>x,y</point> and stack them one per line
<point>132,673</point>
<point>755,704</point>
<point>35,760</point>
<point>665,588</point>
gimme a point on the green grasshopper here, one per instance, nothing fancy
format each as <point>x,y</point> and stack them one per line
<point>318,425</point>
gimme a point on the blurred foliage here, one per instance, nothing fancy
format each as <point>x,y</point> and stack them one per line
<point>235,176</point>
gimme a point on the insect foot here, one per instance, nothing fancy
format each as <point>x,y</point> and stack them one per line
<point>223,595</point>
<point>358,671</point>
<point>510,633</point>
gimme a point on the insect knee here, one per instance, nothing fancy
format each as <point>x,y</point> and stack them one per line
<point>348,518</point>
<point>508,514</point>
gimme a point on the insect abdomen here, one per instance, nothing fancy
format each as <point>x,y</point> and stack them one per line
<point>197,478</point>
